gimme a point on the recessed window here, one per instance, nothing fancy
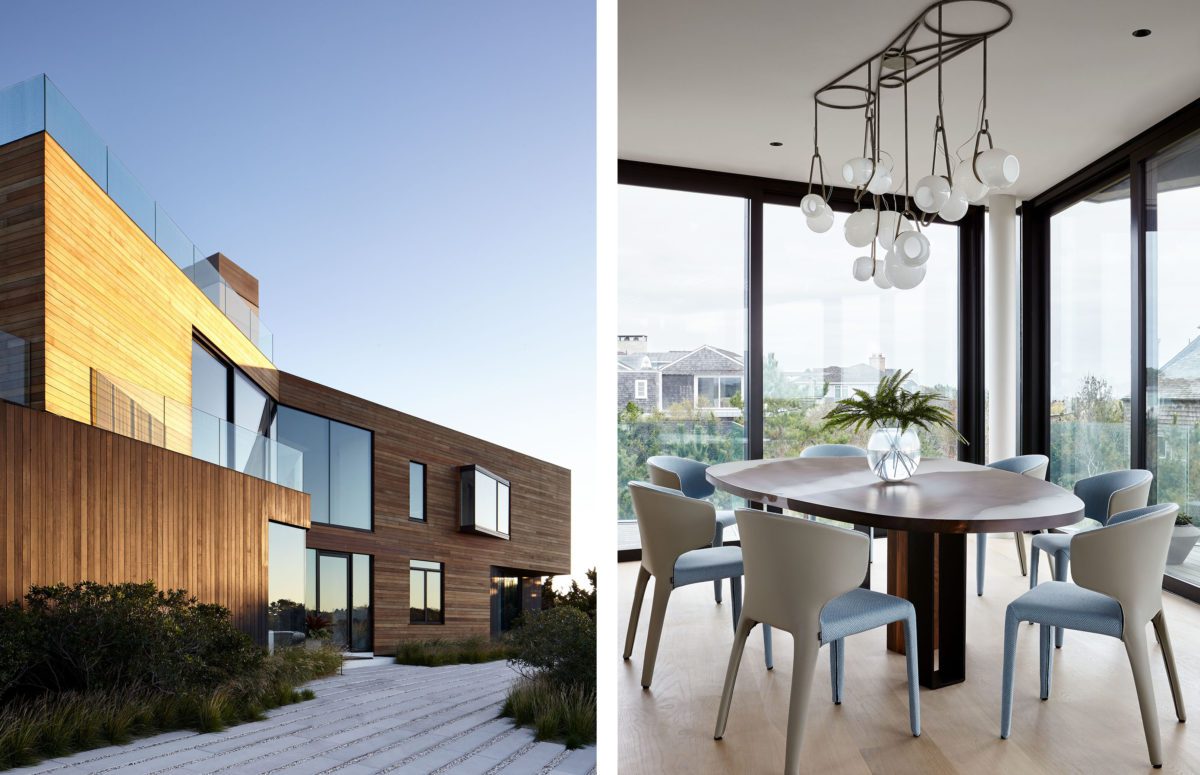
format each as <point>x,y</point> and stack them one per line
<point>485,502</point>
<point>641,389</point>
<point>416,491</point>
<point>425,592</point>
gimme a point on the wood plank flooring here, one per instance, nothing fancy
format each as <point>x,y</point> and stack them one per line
<point>1090,724</point>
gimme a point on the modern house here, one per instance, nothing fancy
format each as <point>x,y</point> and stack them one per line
<point>146,433</point>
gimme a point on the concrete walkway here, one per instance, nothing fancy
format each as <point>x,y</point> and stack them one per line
<point>377,717</point>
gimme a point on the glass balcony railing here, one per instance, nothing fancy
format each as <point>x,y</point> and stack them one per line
<point>131,410</point>
<point>37,105</point>
<point>14,369</point>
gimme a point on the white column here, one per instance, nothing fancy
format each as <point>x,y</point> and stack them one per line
<point>1002,326</point>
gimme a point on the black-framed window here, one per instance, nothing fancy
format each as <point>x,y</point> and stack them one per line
<point>426,592</point>
<point>338,466</point>
<point>232,417</point>
<point>338,594</point>
<point>485,501</point>
<point>416,491</point>
<point>286,582</point>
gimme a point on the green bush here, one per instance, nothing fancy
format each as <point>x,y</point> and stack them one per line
<point>559,644</point>
<point>435,653</point>
<point>556,712</point>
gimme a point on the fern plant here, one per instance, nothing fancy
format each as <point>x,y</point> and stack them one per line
<point>891,405</point>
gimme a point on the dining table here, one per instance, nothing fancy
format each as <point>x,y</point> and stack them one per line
<point>927,517</point>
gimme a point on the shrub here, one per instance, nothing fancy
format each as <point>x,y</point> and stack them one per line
<point>560,644</point>
<point>556,712</point>
<point>576,596</point>
<point>435,653</point>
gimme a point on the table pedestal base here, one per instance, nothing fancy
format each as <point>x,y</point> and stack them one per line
<point>930,570</point>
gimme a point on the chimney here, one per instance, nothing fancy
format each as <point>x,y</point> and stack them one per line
<point>242,282</point>
<point>631,343</point>
<point>877,363</point>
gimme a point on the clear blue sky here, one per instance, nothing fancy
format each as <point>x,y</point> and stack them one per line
<point>413,183</point>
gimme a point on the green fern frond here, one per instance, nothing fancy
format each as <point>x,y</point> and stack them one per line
<point>891,404</point>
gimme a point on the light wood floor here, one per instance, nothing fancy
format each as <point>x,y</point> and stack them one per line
<point>1089,725</point>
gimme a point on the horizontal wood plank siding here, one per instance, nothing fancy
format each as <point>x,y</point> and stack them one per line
<point>541,515</point>
<point>79,503</point>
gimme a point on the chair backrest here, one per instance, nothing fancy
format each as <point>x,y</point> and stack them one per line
<point>680,473</point>
<point>793,567</point>
<point>1126,561</point>
<point>1106,494</point>
<point>833,450</point>
<point>670,523</point>
<point>1027,465</point>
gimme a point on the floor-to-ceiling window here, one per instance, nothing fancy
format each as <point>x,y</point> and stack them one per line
<point>1090,336</point>
<point>826,334</point>
<point>339,596</point>
<point>337,466</point>
<point>682,329</point>
<point>1173,338</point>
<point>285,577</point>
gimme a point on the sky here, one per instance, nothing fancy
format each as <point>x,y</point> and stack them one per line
<point>413,184</point>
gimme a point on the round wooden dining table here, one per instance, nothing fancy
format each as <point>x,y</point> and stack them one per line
<point>927,517</point>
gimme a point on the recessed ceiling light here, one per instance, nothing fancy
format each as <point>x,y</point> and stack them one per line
<point>775,143</point>
<point>1142,33</point>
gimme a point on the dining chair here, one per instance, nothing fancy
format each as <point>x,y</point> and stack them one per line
<point>687,476</point>
<point>1117,590</point>
<point>675,532</point>
<point>843,450</point>
<point>803,577</point>
<point>1103,496</point>
<point>1026,465</point>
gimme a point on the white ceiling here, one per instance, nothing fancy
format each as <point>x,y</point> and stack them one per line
<point>709,83</point>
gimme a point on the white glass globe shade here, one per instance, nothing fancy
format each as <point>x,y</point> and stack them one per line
<point>860,228</point>
<point>812,204</point>
<point>911,248</point>
<point>880,277</point>
<point>956,205</point>
<point>882,182</point>
<point>901,276</point>
<point>822,221</point>
<point>975,191</point>
<point>998,168</point>
<point>856,171</point>
<point>863,266</point>
<point>887,227</point>
<point>931,193</point>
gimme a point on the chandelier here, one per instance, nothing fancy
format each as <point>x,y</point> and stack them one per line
<point>885,217</point>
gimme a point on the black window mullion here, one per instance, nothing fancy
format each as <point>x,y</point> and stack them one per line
<point>753,405</point>
<point>972,405</point>
<point>1137,398</point>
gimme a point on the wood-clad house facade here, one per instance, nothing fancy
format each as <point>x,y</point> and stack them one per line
<point>110,471</point>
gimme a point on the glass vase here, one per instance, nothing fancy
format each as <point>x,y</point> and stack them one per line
<point>892,454</point>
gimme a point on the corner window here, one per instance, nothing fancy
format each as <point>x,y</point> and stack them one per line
<point>484,501</point>
<point>640,389</point>
<point>337,466</point>
<point>425,592</point>
<point>416,491</point>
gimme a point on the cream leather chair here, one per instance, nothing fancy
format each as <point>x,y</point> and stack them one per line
<point>1118,574</point>
<point>803,577</point>
<point>676,532</point>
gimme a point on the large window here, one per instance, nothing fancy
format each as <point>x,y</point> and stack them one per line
<point>682,319</point>
<point>1173,336</point>
<point>425,592</point>
<point>337,466</point>
<point>233,420</point>
<point>1090,336</point>
<point>339,594</point>
<point>285,577</point>
<point>826,334</point>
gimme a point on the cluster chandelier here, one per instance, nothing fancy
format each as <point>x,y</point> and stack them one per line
<point>885,217</point>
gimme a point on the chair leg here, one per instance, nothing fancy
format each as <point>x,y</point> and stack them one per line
<point>1019,538</point>
<point>768,651</point>
<point>1139,661</point>
<point>803,665</point>
<point>658,612</point>
<point>1047,657</point>
<point>639,592</point>
<point>837,668</point>
<point>1164,640</point>
<point>1006,681</point>
<point>1062,562</point>
<point>735,660</point>
<point>914,677</point>
<point>735,592</point>
<point>1035,554</point>
<point>719,540</point>
<point>980,561</point>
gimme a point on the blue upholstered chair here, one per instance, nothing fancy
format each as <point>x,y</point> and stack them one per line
<point>676,531</point>
<point>687,476</point>
<point>1026,465</point>
<point>803,577</point>
<point>1103,496</point>
<point>1118,589</point>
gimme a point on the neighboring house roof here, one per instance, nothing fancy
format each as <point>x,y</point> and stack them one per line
<point>705,359</point>
<point>1179,378</point>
